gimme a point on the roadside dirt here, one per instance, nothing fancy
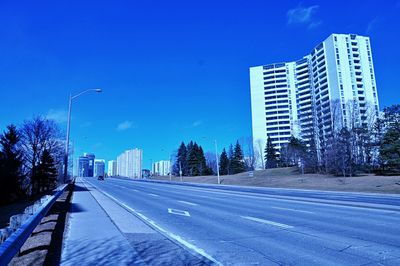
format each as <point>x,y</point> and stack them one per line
<point>290,178</point>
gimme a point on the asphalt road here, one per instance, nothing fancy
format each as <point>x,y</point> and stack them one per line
<point>252,228</point>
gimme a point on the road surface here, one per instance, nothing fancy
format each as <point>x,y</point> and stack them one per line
<point>279,227</point>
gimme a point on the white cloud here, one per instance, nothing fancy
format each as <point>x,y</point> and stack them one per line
<point>372,25</point>
<point>124,125</point>
<point>303,15</point>
<point>197,123</point>
<point>58,115</point>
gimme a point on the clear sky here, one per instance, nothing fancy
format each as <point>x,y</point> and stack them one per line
<point>170,70</point>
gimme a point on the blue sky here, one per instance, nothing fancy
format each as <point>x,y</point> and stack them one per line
<point>170,70</point>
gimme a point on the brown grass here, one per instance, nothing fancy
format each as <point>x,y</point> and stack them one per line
<point>290,178</point>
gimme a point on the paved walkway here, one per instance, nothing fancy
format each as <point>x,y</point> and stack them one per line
<point>101,232</point>
<point>91,237</point>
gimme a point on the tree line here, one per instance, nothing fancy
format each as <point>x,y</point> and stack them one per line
<point>373,146</point>
<point>30,159</point>
<point>190,160</point>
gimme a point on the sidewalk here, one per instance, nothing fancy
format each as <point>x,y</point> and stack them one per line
<point>101,232</point>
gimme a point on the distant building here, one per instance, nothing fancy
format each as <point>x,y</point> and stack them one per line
<point>99,168</point>
<point>91,158</point>
<point>129,163</point>
<point>112,168</point>
<point>161,168</point>
<point>83,166</point>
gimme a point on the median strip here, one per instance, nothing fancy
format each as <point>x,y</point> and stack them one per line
<point>267,222</point>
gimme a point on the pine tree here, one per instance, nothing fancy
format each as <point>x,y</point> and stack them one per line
<point>181,162</point>
<point>390,151</point>
<point>46,172</point>
<point>223,163</point>
<point>230,157</point>
<point>203,169</point>
<point>237,161</point>
<point>271,160</point>
<point>193,159</point>
<point>10,165</point>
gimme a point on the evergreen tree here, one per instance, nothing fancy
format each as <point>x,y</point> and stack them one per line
<point>390,145</point>
<point>223,163</point>
<point>203,169</point>
<point>193,159</point>
<point>390,151</point>
<point>271,158</point>
<point>230,156</point>
<point>46,172</point>
<point>237,161</point>
<point>10,165</point>
<point>181,162</point>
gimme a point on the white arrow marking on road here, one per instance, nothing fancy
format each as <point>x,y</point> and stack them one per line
<point>266,222</point>
<point>187,202</point>
<point>179,212</point>
<point>287,209</point>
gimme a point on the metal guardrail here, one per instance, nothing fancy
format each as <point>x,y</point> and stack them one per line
<point>15,241</point>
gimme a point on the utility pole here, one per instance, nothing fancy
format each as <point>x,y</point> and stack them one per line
<point>216,157</point>
<point>180,171</point>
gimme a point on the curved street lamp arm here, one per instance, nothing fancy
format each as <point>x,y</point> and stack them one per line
<point>82,92</point>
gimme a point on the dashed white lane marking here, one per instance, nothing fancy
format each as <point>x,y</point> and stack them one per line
<point>151,194</point>
<point>288,209</point>
<point>267,222</point>
<point>179,212</point>
<point>169,234</point>
<point>187,202</point>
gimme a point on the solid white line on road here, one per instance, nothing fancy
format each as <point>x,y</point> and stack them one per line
<point>187,202</point>
<point>179,212</point>
<point>267,222</point>
<point>154,195</point>
<point>288,209</point>
<point>177,238</point>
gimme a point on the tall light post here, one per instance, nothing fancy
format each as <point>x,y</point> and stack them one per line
<point>72,97</point>
<point>216,159</point>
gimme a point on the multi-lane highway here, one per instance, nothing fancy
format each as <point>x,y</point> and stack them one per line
<point>280,227</point>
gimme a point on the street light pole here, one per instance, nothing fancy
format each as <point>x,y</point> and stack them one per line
<point>216,157</point>
<point>68,129</point>
<point>67,139</point>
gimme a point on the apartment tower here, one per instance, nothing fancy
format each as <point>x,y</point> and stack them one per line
<point>332,87</point>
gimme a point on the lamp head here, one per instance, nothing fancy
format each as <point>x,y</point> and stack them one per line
<point>98,90</point>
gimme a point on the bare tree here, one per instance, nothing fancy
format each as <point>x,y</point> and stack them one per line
<point>211,161</point>
<point>258,153</point>
<point>38,135</point>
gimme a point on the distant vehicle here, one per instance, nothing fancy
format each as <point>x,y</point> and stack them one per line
<point>100,177</point>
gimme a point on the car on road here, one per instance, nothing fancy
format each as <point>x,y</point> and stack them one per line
<point>100,177</point>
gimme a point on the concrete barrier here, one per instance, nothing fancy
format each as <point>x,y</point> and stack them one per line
<point>22,225</point>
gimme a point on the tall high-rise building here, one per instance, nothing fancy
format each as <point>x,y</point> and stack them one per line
<point>99,168</point>
<point>91,158</point>
<point>332,87</point>
<point>161,168</point>
<point>129,163</point>
<point>83,166</point>
<point>112,168</point>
